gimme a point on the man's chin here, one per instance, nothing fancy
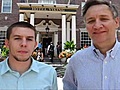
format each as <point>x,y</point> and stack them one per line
<point>22,59</point>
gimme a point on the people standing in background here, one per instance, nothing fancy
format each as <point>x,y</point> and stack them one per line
<point>40,45</point>
<point>40,56</point>
<point>50,51</point>
<point>34,54</point>
<point>98,66</point>
<point>19,71</point>
<point>58,47</point>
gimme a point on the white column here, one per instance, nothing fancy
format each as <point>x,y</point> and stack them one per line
<point>21,17</point>
<point>32,18</point>
<point>74,28</point>
<point>63,30</point>
<point>55,42</point>
<point>37,38</point>
<point>68,30</point>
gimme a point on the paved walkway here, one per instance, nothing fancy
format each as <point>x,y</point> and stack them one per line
<point>59,68</point>
<point>58,65</point>
<point>60,84</point>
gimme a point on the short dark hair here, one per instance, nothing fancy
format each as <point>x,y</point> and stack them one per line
<point>90,3</point>
<point>19,24</point>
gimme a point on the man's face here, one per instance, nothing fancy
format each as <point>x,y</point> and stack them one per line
<point>21,43</point>
<point>100,24</point>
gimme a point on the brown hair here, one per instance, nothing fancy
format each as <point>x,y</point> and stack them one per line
<point>90,3</point>
<point>19,24</point>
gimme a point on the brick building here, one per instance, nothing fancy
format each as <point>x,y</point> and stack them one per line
<point>55,20</point>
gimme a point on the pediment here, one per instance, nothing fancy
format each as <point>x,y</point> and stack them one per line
<point>42,25</point>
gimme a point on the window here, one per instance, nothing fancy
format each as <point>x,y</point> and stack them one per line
<point>47,1</point>
<point>22,1</point>
<point>85,40</point>
<point>6,6</point>
<point>2,38</point>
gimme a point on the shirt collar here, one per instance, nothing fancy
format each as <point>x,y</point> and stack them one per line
<point>112,52</point>
<point>34,66</point>
<point>5,67</point>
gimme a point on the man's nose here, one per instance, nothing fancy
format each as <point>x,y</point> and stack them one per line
<point>98,24</point>
<point>24,43</point>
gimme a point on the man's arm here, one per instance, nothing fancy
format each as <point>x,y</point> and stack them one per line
<point>69,79</point>
<point>55,85</point>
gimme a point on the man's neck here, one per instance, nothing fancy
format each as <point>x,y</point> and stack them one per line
<point>18,66</point>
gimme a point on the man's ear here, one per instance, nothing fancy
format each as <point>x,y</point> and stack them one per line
<point>117,20</point>
<point>7,43</point>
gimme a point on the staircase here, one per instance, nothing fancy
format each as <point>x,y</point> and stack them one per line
<point>57,64</point>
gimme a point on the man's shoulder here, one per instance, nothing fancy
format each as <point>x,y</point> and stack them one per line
<point>44,66</point>
<point>83,53</point>
<point>85,50</point>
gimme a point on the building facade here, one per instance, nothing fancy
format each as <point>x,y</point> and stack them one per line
<point>55,20</point>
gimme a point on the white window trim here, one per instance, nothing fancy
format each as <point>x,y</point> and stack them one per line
<point>47,1</point>
<point>10,7</point>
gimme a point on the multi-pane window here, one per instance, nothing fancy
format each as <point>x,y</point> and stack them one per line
<point>85,39</point>
<point>2,38</point>
<point>47,1</point>
<point>6,6</point>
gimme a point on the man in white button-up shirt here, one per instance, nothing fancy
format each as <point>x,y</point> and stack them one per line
<point>87,69</point>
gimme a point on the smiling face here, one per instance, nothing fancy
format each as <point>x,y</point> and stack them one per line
<point>21,44</point>
<point>100,24</point>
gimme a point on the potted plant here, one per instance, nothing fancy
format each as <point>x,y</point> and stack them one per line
<point>4,51</point>
<point>69,45</point>
<point>69,50</point>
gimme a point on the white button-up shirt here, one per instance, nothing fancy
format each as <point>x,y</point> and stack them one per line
<point>88,69</point>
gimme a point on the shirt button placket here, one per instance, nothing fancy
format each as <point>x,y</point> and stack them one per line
<point>20,83</point>
<point>105,77</point>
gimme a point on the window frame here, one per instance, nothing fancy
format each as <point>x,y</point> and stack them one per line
<point>47,1</point>
<point>3,6</point>
<point>2,38</point>
<point>84,39</point>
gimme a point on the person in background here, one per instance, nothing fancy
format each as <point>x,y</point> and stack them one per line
<point>58,47</point>
<point>40,45</point>
<point>98,66</point>
<point>40,56</point>
<point>20,71</point>
<point>50,51</point>
<point>34,54</point>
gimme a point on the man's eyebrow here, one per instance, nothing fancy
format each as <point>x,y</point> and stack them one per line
<point>104,16</point>
<point>90,18</point>
<point>30,36</point>
<point>93,17</point>
<point>22,36</point>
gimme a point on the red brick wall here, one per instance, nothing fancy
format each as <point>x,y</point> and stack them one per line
<point>12,17</point>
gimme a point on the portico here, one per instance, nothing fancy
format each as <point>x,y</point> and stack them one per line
<point>58,17</point>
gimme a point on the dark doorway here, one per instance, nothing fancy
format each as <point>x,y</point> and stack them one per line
<point>46,42</point>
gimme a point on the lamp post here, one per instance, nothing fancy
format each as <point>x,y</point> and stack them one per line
<point>47,29</point>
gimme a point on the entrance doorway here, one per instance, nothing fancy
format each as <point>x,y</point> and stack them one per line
<point>46,42</point>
